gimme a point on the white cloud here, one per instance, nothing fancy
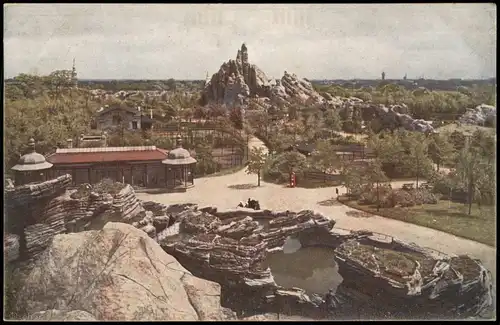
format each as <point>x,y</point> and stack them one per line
<point>314,41</point>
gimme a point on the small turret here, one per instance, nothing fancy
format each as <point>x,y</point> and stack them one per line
<point>74,79</point>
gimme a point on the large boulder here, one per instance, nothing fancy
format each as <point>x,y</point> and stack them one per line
<point>483,114</point>
<point>61,315</point>
<point>117,273</point>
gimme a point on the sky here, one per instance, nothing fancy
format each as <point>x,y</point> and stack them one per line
<point>315,41</point>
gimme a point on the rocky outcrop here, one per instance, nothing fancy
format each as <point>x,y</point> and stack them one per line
<point>229,247</point>
<point>382,276</point>
<point>11,247</point>
<point>117,273</point>
<point>388,278</point>
<point>61,315</point>
<point>386,117</point>
<point>240,83</point>
<point>238,80</point>
<point>38,212</point>
<point>408,283</point>
<point>484,115</point>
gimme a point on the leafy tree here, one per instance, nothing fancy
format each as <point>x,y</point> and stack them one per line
<point>415,158</point>
<point>58,80</point>
<point>206,163</point>
<point>279,167</point>
<point>457,139</point>
<point>256,162</point>
<point>353,178</point>
<point>236,118</point>
<point>474,174</point>
<point>440,150</point>
<point>324,158</point>
<point>375,175</point>
<point>332,120</point>
<point>122,137</point>
<point>357,122</point>
<point>484,144</point>
<point>32,110</point>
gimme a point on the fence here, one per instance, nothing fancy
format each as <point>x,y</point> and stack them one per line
<point>191,131</point>
<point>229,146</point>
<point>320,176</point>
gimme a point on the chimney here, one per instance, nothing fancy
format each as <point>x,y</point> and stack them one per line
<point>69,143</point>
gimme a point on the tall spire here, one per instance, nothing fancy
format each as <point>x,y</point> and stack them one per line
<point>74,79</point>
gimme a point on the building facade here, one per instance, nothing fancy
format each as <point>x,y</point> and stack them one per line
<point>138,166</point>
<point>115,117</point>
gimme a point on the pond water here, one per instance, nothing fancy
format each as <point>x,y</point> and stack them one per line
<point>310,268</point>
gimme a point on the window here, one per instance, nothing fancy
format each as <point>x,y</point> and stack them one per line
<point>116,119</point>
<point>134,125</point>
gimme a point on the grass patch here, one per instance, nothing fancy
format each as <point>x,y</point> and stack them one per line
<point>449,217</point>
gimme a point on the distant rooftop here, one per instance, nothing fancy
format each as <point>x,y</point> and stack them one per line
<point>105,149</point>
<point>106,154</point>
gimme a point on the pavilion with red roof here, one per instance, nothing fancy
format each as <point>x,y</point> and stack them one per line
<point>138,166</point>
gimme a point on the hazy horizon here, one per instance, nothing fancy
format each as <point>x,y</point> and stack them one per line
<point>315,41</point>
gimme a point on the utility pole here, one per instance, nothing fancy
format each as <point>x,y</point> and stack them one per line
<point>416,157</point>
<point>378,198</point>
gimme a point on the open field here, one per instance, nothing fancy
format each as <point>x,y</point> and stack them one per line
<point>449,217</point>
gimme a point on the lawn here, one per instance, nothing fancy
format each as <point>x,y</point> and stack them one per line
<point>452,218</point>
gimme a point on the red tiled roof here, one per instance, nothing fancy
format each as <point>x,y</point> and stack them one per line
<point>69,156</point>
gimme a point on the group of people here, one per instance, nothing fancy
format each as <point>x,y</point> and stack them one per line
<point>251,204</point>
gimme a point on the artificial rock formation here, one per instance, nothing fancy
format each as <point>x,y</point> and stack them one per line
<point>382,276</point>
<point>483,114</point>
<point>61,315</point>
<point>117,273</point>
<point>38,212</point>
<point>237,82</point>
<point>397,279</point>
<point>229,248</point>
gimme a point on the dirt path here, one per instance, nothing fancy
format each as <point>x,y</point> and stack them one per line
<point>225,192</point>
